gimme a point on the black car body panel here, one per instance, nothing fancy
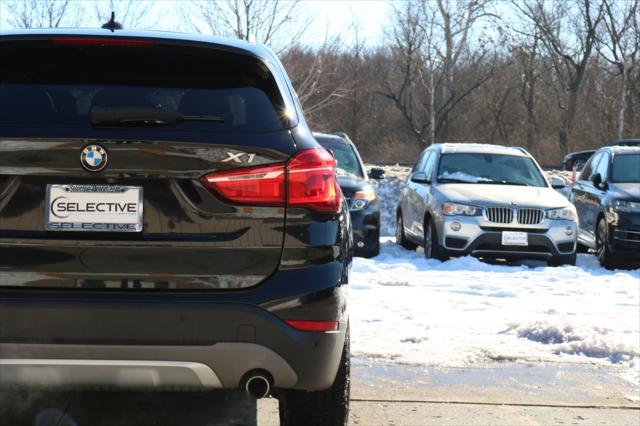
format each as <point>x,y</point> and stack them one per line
<point>627,142</point>
<point>576,160</point>
<point>594,199</point>
<point>205,275</point>
<point>178,211</point>
<point>365,220</point>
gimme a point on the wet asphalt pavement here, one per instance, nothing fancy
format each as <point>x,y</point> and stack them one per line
<point>499,394</point>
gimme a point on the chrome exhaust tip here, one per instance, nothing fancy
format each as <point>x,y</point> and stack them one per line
<point>258,386</point>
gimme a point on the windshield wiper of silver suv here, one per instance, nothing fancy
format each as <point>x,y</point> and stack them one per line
<point>144,116</point>
<point>508,182</point>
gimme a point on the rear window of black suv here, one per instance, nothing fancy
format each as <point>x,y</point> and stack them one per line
<point>147,85</point>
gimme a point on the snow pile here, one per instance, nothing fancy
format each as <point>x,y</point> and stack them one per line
<point>591,341</point>
<point>388,191</point>
<point>408,309</point>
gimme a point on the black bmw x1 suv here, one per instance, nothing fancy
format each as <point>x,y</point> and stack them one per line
<point>167,221</point>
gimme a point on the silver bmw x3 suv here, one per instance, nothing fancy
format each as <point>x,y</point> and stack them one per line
<point>487,201</point>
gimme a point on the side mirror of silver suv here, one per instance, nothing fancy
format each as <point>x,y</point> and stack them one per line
<point>558,182</point>
<point>420,177</point>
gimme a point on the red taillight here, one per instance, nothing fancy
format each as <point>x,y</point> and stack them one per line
<point>251,185</point>
<point>102,41</point>
<point>313,325</point>
<point>312,181</point>
<point>307,180</point>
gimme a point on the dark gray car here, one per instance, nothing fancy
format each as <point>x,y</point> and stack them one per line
<point>607,199</point>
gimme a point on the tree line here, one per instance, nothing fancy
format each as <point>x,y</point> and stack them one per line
<point>551,76</point>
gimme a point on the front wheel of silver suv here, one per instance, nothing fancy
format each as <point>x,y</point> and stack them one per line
<point>432,247</point>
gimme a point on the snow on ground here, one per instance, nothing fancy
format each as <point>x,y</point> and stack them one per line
<point>407,309</point>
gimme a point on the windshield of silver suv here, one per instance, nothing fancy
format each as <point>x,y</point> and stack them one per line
<point>489,169</point>
<point>626,168</point>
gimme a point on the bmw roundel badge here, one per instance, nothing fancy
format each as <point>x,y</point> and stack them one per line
<point>93,158</point>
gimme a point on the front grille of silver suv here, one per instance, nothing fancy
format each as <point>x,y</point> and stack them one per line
<point>506,215</point>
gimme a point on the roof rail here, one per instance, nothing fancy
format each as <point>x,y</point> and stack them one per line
<point>522,149</point>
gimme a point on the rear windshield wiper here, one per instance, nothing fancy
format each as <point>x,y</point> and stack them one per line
<point>144,116</point>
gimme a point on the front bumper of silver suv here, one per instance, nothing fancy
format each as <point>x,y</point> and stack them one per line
<point>481,235</point>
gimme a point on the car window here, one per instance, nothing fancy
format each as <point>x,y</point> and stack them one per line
<point>41,86</point>
<point>346,160</point>
<point>626,168</point>
<point>430,165</point>
<point>485,168</point>
<point>419,166</point>
<point>587,171</point>
<point>602,167</point>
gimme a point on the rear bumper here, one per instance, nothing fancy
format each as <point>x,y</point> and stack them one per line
<point>366,229</point>
<point>625,242</point>
<point>222,335</point>
<point>218,366</point>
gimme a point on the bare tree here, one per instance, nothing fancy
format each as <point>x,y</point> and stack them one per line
<point>264,21</point>
<point>525,45</point>
<point>41,13</point>
<point>568,31</point>
<point>405,83</point>
<point>531,72</point>
<point>619,45</point>
<point>131,14</point>
<point>430,42</point>
<point>321,77</point>
<point>457,23</point>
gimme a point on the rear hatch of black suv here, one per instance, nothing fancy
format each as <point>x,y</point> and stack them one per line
<point>116,153</point>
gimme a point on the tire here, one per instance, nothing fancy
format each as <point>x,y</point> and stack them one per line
<point>432,247</point>
<point>323,408</point>
<point>569,259</point>
<point>401,238</point>
<point>603,251</point>
<point>375,250</point>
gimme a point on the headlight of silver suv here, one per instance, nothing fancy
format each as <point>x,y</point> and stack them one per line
<point>626,206</point>
<point>455,209</point>
<point>361,199</point>
<point>564,213</point>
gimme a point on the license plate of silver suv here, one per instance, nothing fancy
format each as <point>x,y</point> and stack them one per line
<point>512,238</point>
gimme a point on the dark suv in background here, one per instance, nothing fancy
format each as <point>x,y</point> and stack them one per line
<point>361,197</point>
<point>167,221</point>
<point>576,160</point>
<point>607,199</point>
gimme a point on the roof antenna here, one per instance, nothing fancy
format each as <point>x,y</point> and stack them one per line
<point>112,24</point>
